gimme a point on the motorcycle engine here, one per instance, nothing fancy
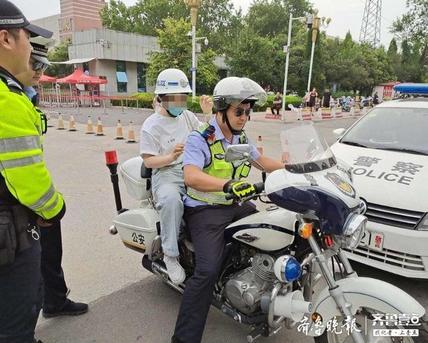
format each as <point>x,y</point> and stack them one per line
<point>245,288</point>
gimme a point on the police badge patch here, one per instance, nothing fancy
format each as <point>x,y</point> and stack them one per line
<point>344,186</point>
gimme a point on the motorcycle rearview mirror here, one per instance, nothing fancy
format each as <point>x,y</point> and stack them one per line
<point>238,152</point>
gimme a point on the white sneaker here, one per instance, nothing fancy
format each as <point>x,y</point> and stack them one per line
<point>175,270</point>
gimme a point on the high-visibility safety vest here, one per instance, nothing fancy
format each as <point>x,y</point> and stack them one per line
<point>22,166</point>
<point>219,168</point>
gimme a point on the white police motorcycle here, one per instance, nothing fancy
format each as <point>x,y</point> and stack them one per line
<point>283,266</point>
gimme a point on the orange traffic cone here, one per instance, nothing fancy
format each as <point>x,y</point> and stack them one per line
<point>119,131</point>
<point>260,144</point>
<point>89,126</point>
<point>60,123</point>
<point>100,131</point>
<point>131,134</point>
<point>72,124</point>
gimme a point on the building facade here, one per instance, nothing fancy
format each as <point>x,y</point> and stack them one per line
<point>50,23</point>
<point>79,15</point>
<point>121,57</point>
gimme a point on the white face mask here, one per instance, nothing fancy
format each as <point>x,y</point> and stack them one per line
<point>174,104</point>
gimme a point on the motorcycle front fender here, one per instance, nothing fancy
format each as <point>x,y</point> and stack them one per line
<point>364,292</point>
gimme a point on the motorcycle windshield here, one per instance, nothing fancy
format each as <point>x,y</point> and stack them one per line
<point>304,150</point>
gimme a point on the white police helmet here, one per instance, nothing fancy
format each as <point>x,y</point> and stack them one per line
<point>235,90</point>
<point>172,81</point>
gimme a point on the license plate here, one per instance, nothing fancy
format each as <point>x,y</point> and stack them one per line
<point>376,240</point>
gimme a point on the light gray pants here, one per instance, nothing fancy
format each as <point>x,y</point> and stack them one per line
<point>168,190</point>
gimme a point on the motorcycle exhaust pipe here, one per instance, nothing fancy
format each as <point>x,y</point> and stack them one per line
<point>292,305</point>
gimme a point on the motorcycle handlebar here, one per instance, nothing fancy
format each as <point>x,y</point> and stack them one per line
<point>259,187</point>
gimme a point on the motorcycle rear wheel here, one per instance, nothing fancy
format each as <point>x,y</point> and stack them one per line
<point>365,324</point>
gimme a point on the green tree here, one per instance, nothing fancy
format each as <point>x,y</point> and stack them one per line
<point>217,19</point>
<point>252,57</point>
<point>394,57</point>
<point>270,17</point>
<point>220,22</point>
<point>411,69</point>
<point>117,16</point>
<point>177,53</point>
<point>411,30</point>
<point>59,54</point>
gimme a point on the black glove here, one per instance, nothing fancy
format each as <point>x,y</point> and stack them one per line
<point>239,188</point>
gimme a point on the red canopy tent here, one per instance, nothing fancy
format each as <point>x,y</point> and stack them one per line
<point>72,78</point>
<point>93,80</point>
<point>78,76</point>
<point>47,79</point>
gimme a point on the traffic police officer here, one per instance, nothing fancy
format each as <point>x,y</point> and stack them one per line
<point>208,178</point>
<point>28,197</point>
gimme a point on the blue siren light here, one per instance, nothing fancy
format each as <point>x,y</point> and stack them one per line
<point>287,269</point>
<point>412,88</point>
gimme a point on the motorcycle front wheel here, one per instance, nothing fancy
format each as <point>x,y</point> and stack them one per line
<point>365,322</point>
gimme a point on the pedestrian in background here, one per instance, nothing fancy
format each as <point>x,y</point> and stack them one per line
<point>312,98</point>
<point>277,103</point>
<point>326,98</point>
<point>375,99</point>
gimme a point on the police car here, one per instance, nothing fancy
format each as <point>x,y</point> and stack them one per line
<point>388,152</point>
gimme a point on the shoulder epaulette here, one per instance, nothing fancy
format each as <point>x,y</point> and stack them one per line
<point>11,84</point>
<point>206,131</point>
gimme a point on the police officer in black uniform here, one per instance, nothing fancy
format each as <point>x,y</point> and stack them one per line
<point>55,301</point>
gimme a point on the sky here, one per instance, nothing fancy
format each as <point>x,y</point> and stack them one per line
<point>345,15</point>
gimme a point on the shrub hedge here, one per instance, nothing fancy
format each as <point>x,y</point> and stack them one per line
<point>145,100</point>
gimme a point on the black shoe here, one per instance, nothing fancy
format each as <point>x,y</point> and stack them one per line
<point>174,339</point>
<point>70,308</point>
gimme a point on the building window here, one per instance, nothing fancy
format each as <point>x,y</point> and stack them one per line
<point>121,77</point>
<point>141,77</point>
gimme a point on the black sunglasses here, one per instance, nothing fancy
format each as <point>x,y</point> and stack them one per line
<point>240,111</point>
<point>39,66</point>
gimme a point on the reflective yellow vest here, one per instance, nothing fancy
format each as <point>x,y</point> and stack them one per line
<point>21,157</point>
<point>219,168</point>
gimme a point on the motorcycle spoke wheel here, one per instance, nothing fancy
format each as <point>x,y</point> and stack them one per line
<point>365,324</point>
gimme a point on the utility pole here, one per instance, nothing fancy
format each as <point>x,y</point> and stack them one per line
<point>370,26</point>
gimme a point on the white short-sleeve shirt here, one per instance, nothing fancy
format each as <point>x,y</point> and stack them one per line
<point>159,134</point>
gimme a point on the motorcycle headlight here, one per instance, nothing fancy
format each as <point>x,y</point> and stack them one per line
<point>354,229</point>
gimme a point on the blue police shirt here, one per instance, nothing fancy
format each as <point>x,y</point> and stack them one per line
<point>197,153</point>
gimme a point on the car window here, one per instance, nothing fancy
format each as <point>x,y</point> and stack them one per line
<point>391,129</point>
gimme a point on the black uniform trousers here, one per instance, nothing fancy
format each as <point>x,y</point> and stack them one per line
<point>20,296</point>
<point>55,289</point>
<point>206,225</point>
